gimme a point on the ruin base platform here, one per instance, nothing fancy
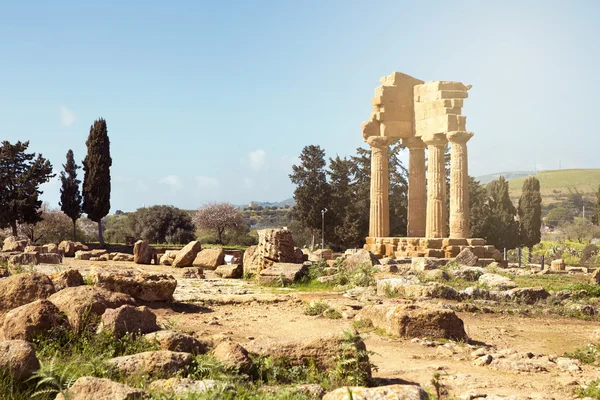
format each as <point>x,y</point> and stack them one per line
<point>426,247</point>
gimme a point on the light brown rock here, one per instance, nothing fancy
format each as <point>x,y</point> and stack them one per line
<point>142,252</point>
<point>14,243</point>
<point>140,286</point>
<point>230,271</point>
<point>18,357</point>
<point>49,258</point>
<point>67,248</point>
<point>128,319</point>
<point>233,355</point>
<point>274,245</point>
<point>177,341</point>
<point>33,249</point>
<point>88,254</point>
<point>123,257</point>
<point>185,257</point>
<point>413,321</point>
<point>20,289</point>
<point>391,392</point>
<point>152,363</point>
<point>595,278</point>
<point>558,265</point>
<point>90,388</point>
<point>184,386</point>
<point>210,258</point>
<point>50,248</point>
<point>82,304</point>
<point>31,320</point>
<point>362,257</point>
<point>284,272</point>
<point>251,261</point>
<point>467,258</point>
<point>67,278</point>
<point>29,258</point>
<point>168,257</point>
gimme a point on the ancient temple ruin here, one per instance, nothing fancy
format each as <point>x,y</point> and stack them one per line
<point>425,116</point>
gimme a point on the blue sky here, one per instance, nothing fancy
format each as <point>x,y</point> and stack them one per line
<point>213,101</point>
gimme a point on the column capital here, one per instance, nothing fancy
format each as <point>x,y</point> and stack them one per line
<point>370,128</point>
<point>379,142</point>
<point>435,140</point>
<point>459,136</point>
<point>414,143</point>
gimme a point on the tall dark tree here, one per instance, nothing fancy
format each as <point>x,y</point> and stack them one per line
<point>479,209</point>
<point>70,196</point>
<point>596,215</point>
<point>21,174</point>
<point>96,178</point>
<point>345,213</point>
<point>530,213</point>
<point>503,229</point>
<point>312,193</point>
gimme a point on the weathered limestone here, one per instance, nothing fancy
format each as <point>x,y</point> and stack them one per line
<point>459,184</point>
<point>379,221</point>
<point>417,187</point>
<point>436,187</point>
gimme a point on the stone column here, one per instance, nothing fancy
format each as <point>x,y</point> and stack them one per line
<point>436,187</point>
<point>459,184</point>
<point>417,187</point>
<point>379,218</point>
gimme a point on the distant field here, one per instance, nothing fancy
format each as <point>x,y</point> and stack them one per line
<point>584,180</point>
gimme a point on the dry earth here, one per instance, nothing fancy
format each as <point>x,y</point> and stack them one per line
<point>244,311</point>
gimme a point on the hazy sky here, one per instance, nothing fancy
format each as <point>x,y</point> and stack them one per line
<point>210,101</point>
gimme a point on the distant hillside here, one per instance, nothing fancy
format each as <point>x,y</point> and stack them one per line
<point>485,179</point>
<point>287,202</point>
<point>553,183</point>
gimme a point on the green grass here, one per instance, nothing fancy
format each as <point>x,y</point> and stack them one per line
<point>583,180</point>
<point>554,282</point>
<point>586,354</point>
<point>592,390</point>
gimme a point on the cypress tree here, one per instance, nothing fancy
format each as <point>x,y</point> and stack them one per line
<point>96,178</point>
<point>70,196</point>
<point>21,174</point>
<point>530,213</point>
<point>596,216</point>
<point>503,229</point>
<point>347,231</point>
<point>312,191</point>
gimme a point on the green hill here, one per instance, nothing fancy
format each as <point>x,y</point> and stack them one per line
<point>553,183</point>
<point>485,179</point>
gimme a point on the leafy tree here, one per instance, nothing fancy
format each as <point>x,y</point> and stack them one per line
<point>559,216</point>
<point>596,215</point>
<point>503,229</point>
<point>96,179</point>
<point>70,197</point>
<point>54,227</point>
<point>117,227</point>
<point>312,193</point>
<point>479,209</point>
<point>530,213</point>
<point>21,174</point>
<point>581,230</point>
<point>219,217</point>
<point>345,213</point>
<point>161,224</point>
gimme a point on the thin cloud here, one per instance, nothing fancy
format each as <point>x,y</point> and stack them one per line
<point>67,116</point>
<point>171,180</point>
<point>257,159</point>
<point>206,182</point>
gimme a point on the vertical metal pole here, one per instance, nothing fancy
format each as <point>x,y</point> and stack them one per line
<point>543,259</point>
<point>322,230</point>
<point>520,254</point>
<point>505,254</point>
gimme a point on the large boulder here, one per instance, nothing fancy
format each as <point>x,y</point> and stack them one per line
<point>14,243</point>
<point>67,248</point>
<point>413,321</point>
<point>274,246</point>
<point>177,341</point>
<point>82,304</point>
<point>152,363</point>
<point>31,320</point>
<point>496,282</point>
<point>128,319</point>
<point>209,258</point>
<point>142,252</point>
<point>33,249</point>
<point>595,279</point>
<point>29,258</point>
<point>20,289</point>
<point>467,273</point>
<point>285,273</point>
<point>50,248</point>
<point>230,271</point>
<point>48,258</point>
<point>421,264</point>
<point>89,254</point>
<point>528,295</point>
<point>467,258</point>
<point>558,265</point>
<point>186,256</point>
<point>232,355</point>
<point>361,257</point>
<point>322,349</point>
<point>250,260</point>
<point>90,388</point>
<point>391,392</point>
<point>122,257</point>
<point>18,358</point>
<point>139,285</point>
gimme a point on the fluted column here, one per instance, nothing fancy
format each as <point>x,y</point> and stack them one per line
<point>459,184</point>
<point>436,187</point>
<point>417,187</point>
<point>379,218</point>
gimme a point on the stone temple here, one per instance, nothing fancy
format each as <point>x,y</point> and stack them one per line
<point>425,116</point>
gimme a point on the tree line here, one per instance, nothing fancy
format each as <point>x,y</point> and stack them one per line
<point>342,187</point>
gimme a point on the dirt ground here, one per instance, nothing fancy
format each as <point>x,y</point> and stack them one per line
<point>244,311</point>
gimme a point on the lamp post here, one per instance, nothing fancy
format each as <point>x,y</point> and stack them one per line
<point>323,211</point>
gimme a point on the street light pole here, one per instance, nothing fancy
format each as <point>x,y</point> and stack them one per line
<point>323,211</point>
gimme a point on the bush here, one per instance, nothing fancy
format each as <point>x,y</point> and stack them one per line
<point>162,224</point>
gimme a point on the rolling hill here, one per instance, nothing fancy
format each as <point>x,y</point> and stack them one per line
<point>560,181</point>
